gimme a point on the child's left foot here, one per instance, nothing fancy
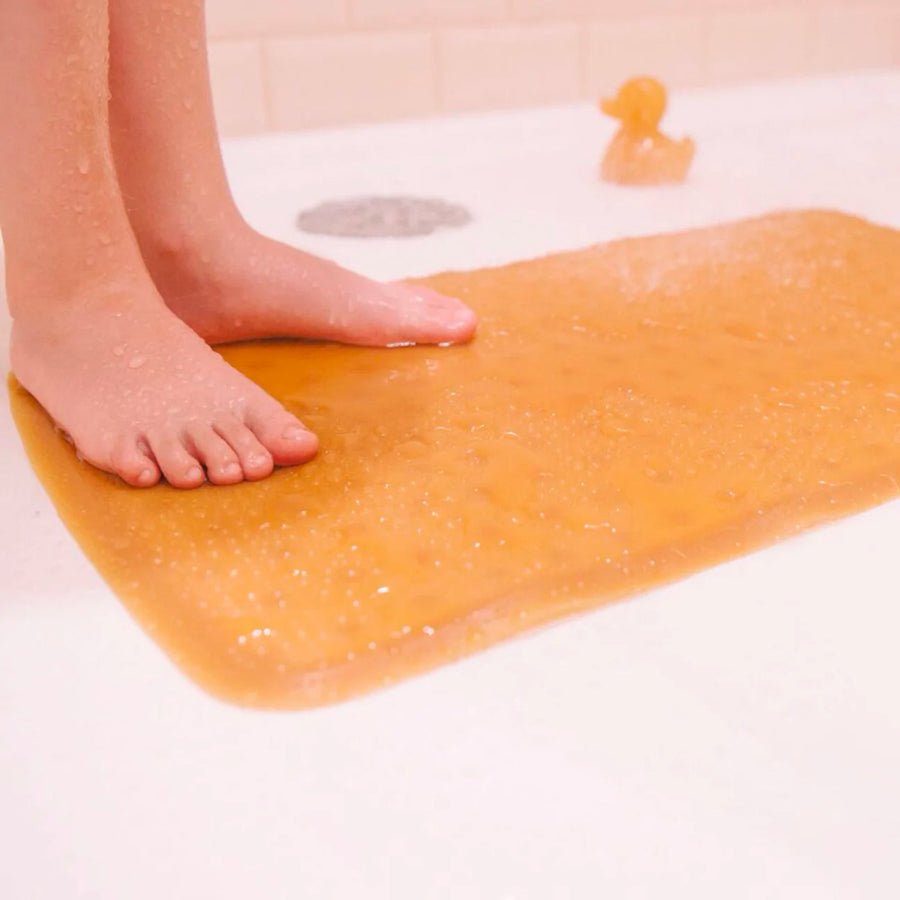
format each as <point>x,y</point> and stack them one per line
<point>242,285</point>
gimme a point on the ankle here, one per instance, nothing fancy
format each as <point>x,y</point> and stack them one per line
<point>180,236</point>
<point>73,259</point>
<point>45,291</point>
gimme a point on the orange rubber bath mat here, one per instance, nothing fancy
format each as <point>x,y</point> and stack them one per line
<point>627,415</point>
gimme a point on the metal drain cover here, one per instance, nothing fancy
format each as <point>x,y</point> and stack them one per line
<point>395,216</point>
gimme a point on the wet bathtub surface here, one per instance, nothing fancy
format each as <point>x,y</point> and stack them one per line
<point>733,735</point>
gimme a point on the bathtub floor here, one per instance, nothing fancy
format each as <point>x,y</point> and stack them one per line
<point>733,735</point>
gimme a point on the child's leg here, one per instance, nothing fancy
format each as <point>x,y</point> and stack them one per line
<point>222,278</point>
<point>133,386</point>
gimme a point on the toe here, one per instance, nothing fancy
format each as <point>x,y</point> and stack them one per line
<point>285,436</point>
<point>134,466</point>
<point>221,462</point>
<point>255,460</point>
<point>456,320</point>
<point>434,318</point>
<point>179,467</point>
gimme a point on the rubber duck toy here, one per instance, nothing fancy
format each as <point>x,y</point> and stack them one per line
<point>640,153</point>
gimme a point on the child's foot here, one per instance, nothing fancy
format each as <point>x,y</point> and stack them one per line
<point>242,285</point>
<point>141,395</point>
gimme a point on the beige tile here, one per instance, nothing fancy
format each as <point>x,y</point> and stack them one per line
<point>329,81</point>
<point>701,6</point>
<point>761,43</point>
<point>857,36</point>
<point>607,9</point>
<point>509,65</point>
<point>273,18</point>
<point>671,48</point>
<point>555,9</point>
<point>236,72</point>
<point>707,6</point>
<point>405,13</point>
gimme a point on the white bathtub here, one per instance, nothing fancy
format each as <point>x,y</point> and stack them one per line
<point>736,735</point>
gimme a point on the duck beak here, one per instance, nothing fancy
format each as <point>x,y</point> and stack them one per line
<point>611,108</point>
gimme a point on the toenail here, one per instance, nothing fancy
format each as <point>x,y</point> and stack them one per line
<point>257,460</point>
<point>231,469</point>
<point>295,433</point>
<point>194,473</point>
<point>146,477</point>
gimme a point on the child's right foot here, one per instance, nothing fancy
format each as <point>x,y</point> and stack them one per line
<point>142,396</point>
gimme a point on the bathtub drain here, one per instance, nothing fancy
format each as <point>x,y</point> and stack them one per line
<point>393,216</point>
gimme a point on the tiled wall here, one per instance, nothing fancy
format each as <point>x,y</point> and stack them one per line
<point>291,64</point>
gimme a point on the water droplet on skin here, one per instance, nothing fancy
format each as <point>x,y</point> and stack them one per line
<point>188,103</point>
<point>119,351</point>
<point>78,206</point>
<point>136,362</point>
<point>84,165</point>
<point>105,239</point>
